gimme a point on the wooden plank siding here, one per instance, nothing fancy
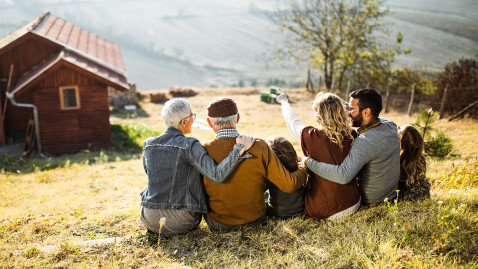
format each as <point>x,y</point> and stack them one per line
<point>70,130</point>
<point>16,118</point>
<point>25,53</point>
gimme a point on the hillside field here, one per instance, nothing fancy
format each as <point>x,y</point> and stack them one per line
<point>97,197</point>
<point>211,43</point>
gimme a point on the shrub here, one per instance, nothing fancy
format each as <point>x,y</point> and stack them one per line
<point>130,137</point>
<point>438,146</point>
<point>461,78</point>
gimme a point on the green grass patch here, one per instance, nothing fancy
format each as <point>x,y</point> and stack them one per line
<point>130,137</point>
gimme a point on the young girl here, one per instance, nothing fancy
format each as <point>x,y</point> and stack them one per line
<point>413,184</point>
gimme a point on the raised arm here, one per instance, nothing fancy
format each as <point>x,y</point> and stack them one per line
<point>344,172</point>
<point>294,125</point>
<point>204,163</point>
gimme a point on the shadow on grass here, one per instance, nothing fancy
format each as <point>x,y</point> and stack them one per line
<point>126,145</point>
<point>418,231</point>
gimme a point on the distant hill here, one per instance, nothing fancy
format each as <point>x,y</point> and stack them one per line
<point>207,43</point>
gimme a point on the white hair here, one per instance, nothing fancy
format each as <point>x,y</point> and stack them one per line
<point>224,122</point>
<point>174,111</point>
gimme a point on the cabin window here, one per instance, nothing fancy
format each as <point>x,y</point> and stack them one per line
<point>69,97</point>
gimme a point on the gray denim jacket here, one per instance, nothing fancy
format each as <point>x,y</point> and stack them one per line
<point>174,164</point>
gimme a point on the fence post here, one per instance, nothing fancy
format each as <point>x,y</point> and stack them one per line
<point>443,100</point>
<point>387,96</point>
<point>411,101</point>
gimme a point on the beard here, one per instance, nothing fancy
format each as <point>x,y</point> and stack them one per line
<point>357,121</point>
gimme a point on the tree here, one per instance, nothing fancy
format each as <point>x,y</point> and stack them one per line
<point>462,80</point>
<point>335,35</point>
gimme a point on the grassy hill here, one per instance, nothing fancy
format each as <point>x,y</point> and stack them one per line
<point>62,201</point>
<point>210,42</point>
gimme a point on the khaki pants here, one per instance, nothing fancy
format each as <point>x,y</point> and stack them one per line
<point>177,221</point>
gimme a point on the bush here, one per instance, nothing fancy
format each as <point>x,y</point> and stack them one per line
<point>130,137</point>
<point>461,78</point>
<point>439,146</point>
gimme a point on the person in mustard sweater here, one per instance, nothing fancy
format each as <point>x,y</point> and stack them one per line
<point>239,201</point>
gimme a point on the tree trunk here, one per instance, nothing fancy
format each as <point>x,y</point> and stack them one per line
<point>341,77</point>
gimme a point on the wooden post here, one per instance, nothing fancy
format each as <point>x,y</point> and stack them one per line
<point>443,100</point>
<point>6,90</point>
<point>3,139</point>
<point>347,92</point>
<point>411,101</point>
<point>387,96</point>
<point>463,110</point>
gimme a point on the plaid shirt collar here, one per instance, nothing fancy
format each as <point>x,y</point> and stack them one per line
<point>369,126</point>
<point>227,132</point>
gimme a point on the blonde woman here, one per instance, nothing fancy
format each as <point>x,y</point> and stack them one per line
<point>329,142</point>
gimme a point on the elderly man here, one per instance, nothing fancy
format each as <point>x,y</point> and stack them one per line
<point>239,201</point>
<point>375,153</point>
<point>174,164</point>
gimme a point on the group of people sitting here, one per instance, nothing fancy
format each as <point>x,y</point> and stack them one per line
<point>238,181</point>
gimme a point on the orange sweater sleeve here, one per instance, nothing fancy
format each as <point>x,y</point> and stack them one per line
<point>280,176</point>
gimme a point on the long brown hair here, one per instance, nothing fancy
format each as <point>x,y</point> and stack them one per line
<point>411,150</point>
<point>332,118</point>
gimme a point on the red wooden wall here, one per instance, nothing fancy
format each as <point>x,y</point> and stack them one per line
<point>70,130</point>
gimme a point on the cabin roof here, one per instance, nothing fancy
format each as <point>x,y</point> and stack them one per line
<point>71,57</point>
<point>72,38</point>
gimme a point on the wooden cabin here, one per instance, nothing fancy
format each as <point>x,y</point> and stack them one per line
<point>54,79</point>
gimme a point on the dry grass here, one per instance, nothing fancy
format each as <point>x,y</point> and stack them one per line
<point>91,201</point>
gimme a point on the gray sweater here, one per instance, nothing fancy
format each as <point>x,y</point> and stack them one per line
<point>375,157</point>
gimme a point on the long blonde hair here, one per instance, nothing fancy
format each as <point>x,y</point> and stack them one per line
<point>332,118</point>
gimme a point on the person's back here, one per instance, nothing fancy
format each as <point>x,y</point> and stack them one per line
<point>380,149</point>
<point>240,199</point>
<point>324,198</point>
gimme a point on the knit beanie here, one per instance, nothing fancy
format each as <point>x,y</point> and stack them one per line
<point>221,107</point>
